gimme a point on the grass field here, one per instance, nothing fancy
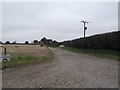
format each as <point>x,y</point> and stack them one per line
<point>99,53</point>
<point>21,54</point>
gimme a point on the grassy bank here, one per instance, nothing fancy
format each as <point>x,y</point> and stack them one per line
<point>32,54</point>
<point>98,53</point>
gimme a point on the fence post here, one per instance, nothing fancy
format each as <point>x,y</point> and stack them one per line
<point>5,50</point>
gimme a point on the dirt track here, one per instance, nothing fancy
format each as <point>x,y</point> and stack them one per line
<point>68,70</point>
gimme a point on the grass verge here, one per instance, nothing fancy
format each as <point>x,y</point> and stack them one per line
<point>98,53</point>
<point>18,60</point>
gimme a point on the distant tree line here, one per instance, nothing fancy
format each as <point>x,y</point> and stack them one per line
<point>43,41</point>
<point>108,41</point>
<point>8,42</point>
<point>48,42</point>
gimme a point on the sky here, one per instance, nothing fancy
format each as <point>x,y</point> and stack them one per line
<point>59,21</point>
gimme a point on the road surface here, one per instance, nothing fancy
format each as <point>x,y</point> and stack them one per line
<point>67,70</point>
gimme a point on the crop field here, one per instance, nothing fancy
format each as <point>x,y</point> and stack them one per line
<point>20,54</point>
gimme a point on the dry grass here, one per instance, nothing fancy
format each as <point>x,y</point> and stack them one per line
<point>0,49</point>
<point>26,50</point>
<point>26,53</point>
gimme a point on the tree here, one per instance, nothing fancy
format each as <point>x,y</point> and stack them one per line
<point>35,41</point>
<point>44,40</point>
<point>7,42</point>
<point>0,42</point>
<point>48,42</point>
<point>14,42</point>
<point>55,43</point>
<point>26,42</point>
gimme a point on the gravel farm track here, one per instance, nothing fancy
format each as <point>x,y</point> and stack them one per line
<point>67,70</point>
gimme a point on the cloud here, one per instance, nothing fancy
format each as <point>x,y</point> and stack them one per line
<point>57,20</point>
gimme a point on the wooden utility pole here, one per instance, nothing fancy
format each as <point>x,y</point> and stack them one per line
<point>5,50</point>
<point>85,28</point>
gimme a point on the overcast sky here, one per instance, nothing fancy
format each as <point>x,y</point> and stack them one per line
<point>59,21</point>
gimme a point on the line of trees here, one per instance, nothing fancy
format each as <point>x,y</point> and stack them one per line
<point>48,42</point>
<point>108,41</point>
<point>8,42</point>
<point>1,42</point>
<point>44,41</point>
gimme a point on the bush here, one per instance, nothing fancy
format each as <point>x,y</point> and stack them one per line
<point>107,41</point>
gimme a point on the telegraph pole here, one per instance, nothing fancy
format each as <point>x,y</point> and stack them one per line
<point>85,28</point>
